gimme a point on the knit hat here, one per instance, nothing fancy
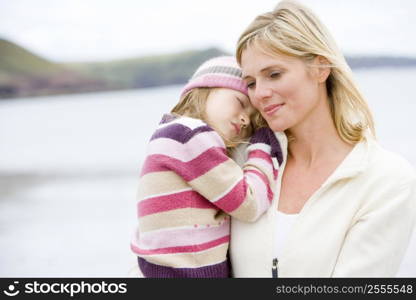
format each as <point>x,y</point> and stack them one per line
<point>222,71</point>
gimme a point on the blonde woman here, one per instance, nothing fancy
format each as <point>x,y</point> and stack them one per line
<point>344,206</point>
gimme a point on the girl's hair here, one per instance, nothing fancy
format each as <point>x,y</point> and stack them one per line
<point>193,104</point>
<point>292,29</point>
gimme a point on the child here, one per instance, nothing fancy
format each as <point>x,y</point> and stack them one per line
<point>188,184</point>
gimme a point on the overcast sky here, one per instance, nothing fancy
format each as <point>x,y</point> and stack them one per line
<point>93,30</point>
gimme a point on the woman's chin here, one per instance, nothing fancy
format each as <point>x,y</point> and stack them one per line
<point>277,126</point>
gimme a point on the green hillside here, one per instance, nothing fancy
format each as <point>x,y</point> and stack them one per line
<point>148,71</point>
<point>15,60</point>
<point>24,74</point>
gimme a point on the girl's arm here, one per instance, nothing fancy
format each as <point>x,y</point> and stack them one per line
<point>245,193</point>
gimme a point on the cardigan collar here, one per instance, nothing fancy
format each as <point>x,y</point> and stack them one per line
<point>353,164</point>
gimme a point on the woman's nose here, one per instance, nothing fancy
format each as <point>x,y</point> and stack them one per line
<point>261,92</point>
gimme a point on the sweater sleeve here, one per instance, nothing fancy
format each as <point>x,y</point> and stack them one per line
<point>376,243</point>
<point>244,193</point>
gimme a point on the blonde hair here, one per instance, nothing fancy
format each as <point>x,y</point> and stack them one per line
<point>292,29</point>
<point>193,105</point>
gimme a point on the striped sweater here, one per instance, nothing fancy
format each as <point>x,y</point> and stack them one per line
<point>188,186</point>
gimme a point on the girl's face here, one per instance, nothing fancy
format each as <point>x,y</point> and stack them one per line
<point>280,87</point>
<point>229,111</point>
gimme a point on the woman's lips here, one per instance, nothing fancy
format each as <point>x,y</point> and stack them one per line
<point>271,109</point>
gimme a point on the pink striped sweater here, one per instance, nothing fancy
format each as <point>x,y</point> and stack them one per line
<point>188,187</point>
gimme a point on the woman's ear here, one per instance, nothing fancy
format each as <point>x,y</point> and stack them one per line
<point>323,68</point>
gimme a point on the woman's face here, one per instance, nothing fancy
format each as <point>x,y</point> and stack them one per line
<point>280,87</point>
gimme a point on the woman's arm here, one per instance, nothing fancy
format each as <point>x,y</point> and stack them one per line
<point>378,239</point>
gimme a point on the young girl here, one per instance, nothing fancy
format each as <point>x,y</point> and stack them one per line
<point>189,184</point>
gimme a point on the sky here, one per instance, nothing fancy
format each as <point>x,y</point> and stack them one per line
<point>98,30</point>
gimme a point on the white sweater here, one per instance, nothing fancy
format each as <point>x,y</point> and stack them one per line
<point>357,224</point>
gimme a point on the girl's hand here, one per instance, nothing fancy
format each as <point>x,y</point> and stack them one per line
<point>266,136</point>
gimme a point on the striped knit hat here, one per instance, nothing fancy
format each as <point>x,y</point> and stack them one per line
<point>222,71</point>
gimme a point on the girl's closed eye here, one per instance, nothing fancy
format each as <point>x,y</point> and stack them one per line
<point>241,102</point>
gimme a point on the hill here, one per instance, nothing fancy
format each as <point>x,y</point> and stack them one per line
<point>148,71</point>
<point>15,60</point>
<point>23,73</point>
<point>370,62</point>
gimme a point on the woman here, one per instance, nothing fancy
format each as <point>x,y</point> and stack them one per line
<point>344,206</point>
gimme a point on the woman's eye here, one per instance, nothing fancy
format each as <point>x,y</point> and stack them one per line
<point>275,74</point>
<point>251,84</point>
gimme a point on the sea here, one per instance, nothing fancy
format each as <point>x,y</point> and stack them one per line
<point>69,168</point>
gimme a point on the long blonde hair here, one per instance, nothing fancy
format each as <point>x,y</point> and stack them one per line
<point>292,29</point>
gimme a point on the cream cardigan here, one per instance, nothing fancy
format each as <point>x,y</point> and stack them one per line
<point>357,224</point>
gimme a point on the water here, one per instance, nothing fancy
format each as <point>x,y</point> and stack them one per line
<point>69,168</point>
<point>68,177</point>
